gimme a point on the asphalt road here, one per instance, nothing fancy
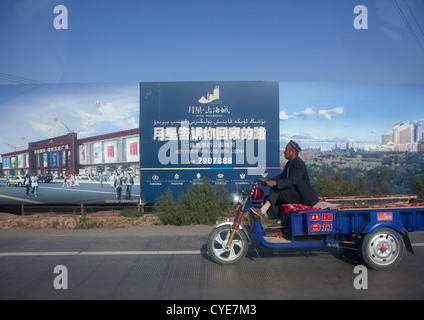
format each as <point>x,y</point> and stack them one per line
<point>54,193</point>
<point>168,263</point>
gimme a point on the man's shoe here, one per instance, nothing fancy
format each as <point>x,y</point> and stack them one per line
<point>258,213</point>
<point>274,226</point>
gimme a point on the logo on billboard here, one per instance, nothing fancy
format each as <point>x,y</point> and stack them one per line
<point>210,96</point>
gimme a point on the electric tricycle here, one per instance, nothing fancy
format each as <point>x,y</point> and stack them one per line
<point>375,226</point>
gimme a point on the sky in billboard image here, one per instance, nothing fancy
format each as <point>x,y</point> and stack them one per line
<point>329,114</point>
<point>314,114</point>
<point>38,112</point>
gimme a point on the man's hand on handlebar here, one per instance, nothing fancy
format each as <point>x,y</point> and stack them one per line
<point>269,183</point>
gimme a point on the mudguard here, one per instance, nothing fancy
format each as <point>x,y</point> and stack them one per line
<point>370,227</point>
<point>395,225</point>
<point>230,223</point>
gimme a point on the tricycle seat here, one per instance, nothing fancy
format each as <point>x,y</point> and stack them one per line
<point>321,205</point>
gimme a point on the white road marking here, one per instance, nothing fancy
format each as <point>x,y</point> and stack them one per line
<point>114,253</point>
<point>97,253</point>
<point>76,190</point>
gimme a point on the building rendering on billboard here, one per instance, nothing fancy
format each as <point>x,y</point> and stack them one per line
<point>407,136</point>
<point>65,155</point>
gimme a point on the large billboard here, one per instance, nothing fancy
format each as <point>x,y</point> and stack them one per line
<point>173,134</point>
<point>226,132</point>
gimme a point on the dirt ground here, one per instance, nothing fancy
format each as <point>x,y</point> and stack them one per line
<point>108,220</point>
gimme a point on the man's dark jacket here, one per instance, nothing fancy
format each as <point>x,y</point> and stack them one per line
<point>298,179</point>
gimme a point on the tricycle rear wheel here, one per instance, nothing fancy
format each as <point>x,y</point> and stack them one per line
<point>218,240</point>
<point>382,249</point>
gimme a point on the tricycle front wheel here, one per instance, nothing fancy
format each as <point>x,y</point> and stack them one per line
<point>382,249</point>
<point>217,243</point>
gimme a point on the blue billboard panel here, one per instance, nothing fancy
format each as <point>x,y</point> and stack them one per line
<point>53,159</point>
<point>227,132</point>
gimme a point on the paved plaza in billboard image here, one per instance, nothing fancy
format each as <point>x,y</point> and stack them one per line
<point>54,192</point>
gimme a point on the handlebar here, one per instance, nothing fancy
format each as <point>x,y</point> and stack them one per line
<point>247,192</point>
<point>259,181</point>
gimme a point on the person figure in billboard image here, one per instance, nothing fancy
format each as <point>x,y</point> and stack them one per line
<point>129,181</point>
<point>27,183</point>
<point>65,181</point>
<point>118,186</point>
<point>291,186</point>
<point>34,185</point>
<point>73,181</point>
<point>76,183</point>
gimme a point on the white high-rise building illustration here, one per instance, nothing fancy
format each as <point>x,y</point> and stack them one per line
<point>210,96</point>
<point>407,136</point>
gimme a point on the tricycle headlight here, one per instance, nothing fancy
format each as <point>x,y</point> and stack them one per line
<point>235,198</point>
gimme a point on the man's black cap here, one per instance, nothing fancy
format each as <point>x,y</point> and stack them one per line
<point>295,146</point>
